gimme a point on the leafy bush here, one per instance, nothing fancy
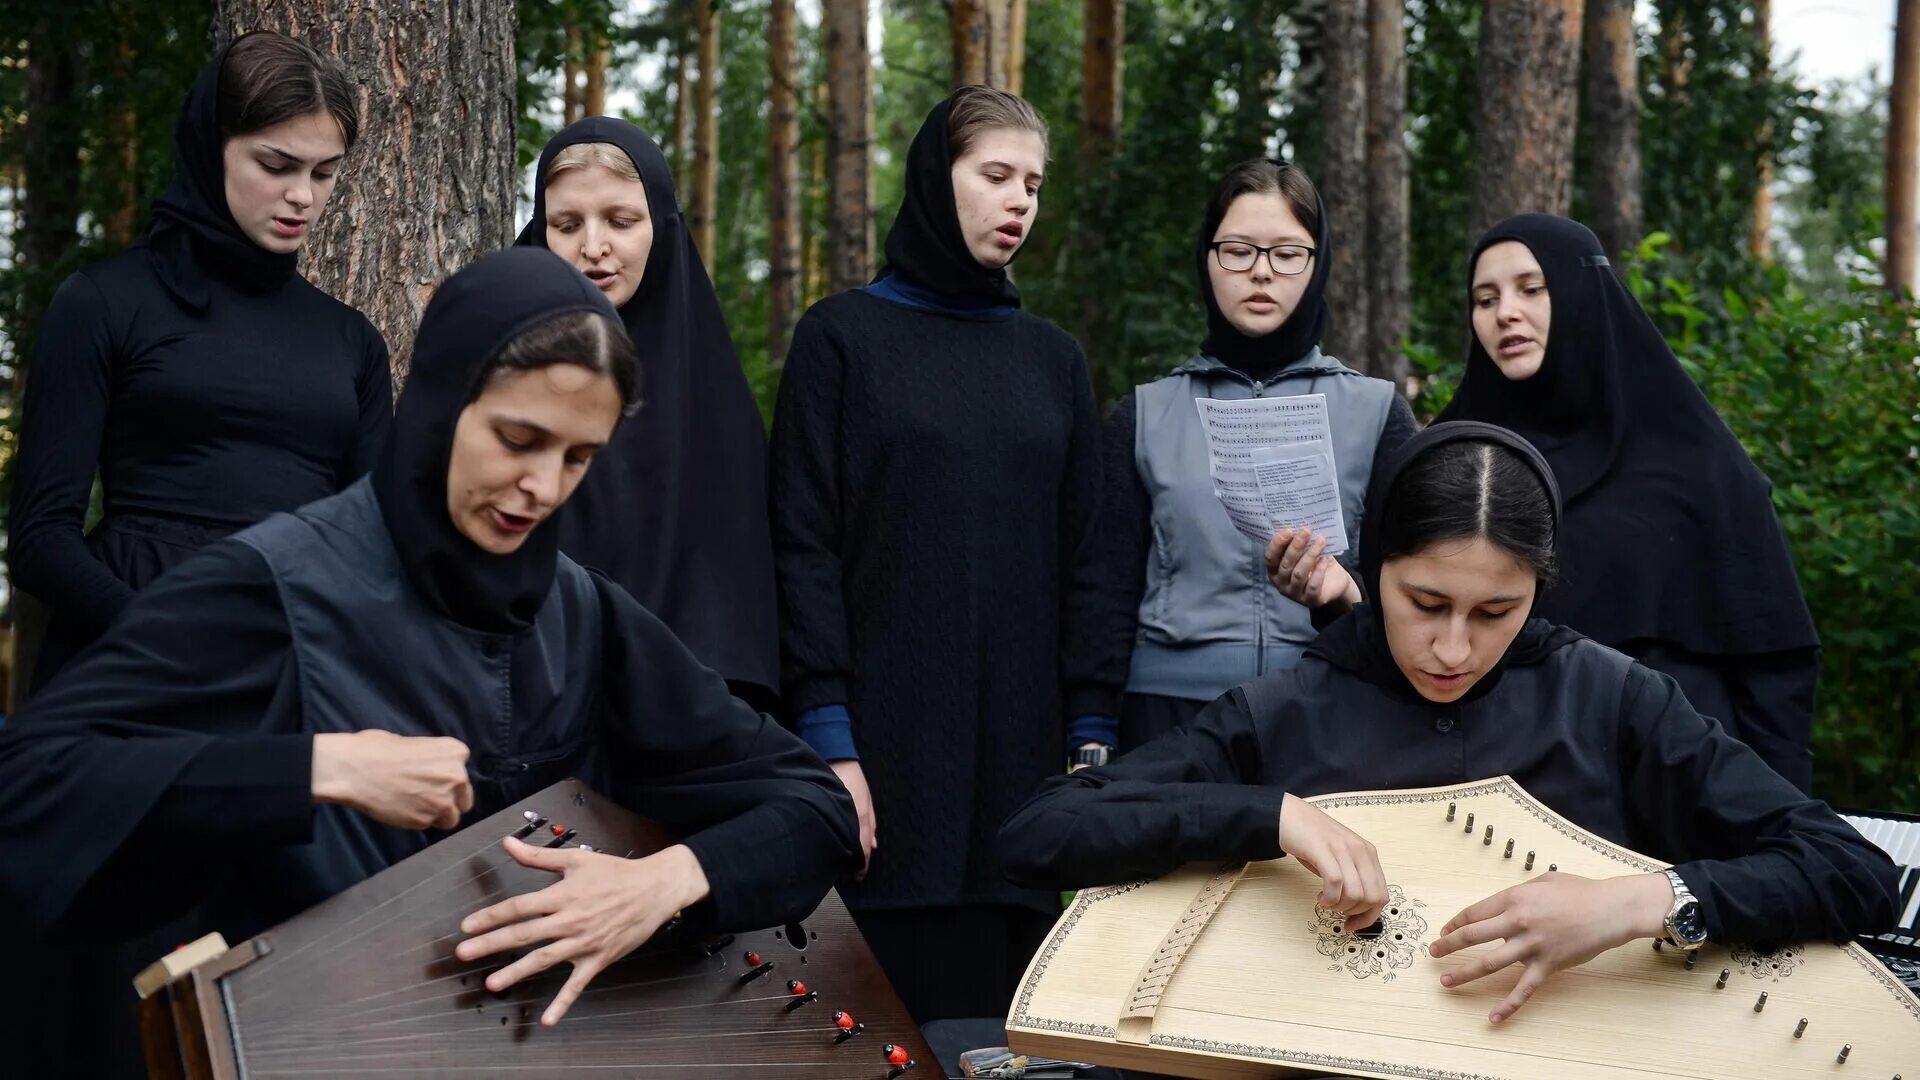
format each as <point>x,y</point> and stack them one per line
<point>1825,395</point>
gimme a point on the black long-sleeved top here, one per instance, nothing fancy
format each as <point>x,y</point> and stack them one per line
<point>1610,744</point>
<point>276,396</point>
<point>1102,643</point>
<point>168,764</point>
<point>934,483</point>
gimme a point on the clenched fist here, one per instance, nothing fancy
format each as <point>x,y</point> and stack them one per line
<point>408,782</point>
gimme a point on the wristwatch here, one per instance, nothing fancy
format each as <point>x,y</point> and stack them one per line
<point>1097,755</point>
<point>1686,927</point>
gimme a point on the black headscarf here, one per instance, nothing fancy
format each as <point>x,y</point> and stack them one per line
<point>193,231</point>
<point>1358,641</point>
<point>472,316</point>
<point>925,244</point>
<point>675,509</point>
<point>1260,357</point>
<point>1670,531</point>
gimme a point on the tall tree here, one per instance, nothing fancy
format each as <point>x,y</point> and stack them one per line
<point>1613,121</point>
<point>594,93</point>
<point>1344,48</point>
<point>682,86</point>
<point>849,143</point>
<point>430,185</point>
<point>983,42</point>
<point>1903,148</point>
<point>1389,240</point>
<point>50,171</point>
<point>1760,240</point>
<point>1528,90</point>
<point>573,91</point>
<point>783,178</point>
<point>706,130</point>
<point>1016,45</point>
<point>1102,97</point>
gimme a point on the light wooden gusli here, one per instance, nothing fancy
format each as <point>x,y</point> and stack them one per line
<point>1234,972</point>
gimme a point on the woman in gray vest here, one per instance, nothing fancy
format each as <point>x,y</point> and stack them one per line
<point>1181,611</point>
<point>307,702</point>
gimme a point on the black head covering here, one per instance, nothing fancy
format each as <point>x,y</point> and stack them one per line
<point>1358,641</point>
<point>193,232</point>
<point>1298,336</point>
<point>472,316</point>
<point>675,508</point>
<point>925,244</point>
<point>1670,533</point>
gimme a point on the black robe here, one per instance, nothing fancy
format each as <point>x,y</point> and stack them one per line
<point>171,765</point>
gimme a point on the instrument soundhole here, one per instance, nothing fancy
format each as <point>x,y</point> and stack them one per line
<point>796,935</point>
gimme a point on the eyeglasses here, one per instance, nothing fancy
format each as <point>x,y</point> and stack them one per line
<point>1237,257</point>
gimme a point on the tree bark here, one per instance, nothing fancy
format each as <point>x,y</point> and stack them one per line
<point>849,143</point>
<point>430,185</point>
<point>1523,135</point>
<point>783,180</point>
<point>813,244</point>
<point>573,96</point>
<point>1016,46</point>
<point>1344,51</point>
<point>982,42</point>
<point>123,135</point>
<point>706,131</point>
<point>682,83</point>
<point>1102,95</point>
<point>1903,148</point>
<point>1760,240</point>
<point>50,166</point>
<point>594,99</point>
<point>1613,119</point>
<point>1389,244</point>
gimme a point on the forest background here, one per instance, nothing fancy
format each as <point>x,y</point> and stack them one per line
<point>1766,220</point>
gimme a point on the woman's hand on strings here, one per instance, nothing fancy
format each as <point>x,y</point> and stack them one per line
<point>1298,566</point>
<point>1351,880</point>
<point>855,781</point>
<point>1549,924</point>
<point>602,908</point>
<point>406,781</point>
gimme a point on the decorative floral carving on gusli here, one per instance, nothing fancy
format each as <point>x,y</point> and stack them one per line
<point>1771,965</point>
<point>1391,945</point>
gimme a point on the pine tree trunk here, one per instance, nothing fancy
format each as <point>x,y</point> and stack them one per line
<point>1389,243</point>
<point>430,185</point>
<point>594,101</point>
<point>682,84</point>
<point>123,136</point>
<point>1613,120</point>
<point>1016,46</point>
<point>1760,240</point>
<point>50,168</point>
<point>849,143</point>
<point>783,180</point>
<point>1528,93</point>
<point>1903,148</point>
<point>573,95</point>
<point>813,244</point>
<point>1102,95</point>
<point>1344,50</point>
<point>982,42</point>
<point>706,131</point>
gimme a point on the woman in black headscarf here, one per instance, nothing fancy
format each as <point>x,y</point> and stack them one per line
<point>1443,676</point>
<point>293,708</point>
<point>935,470</point>
<point>676,508</point>
<point>204,379</point>
<point>1180,609</point>
<point>1673,552</point>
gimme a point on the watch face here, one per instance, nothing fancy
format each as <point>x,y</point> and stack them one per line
<point>1688,925</point>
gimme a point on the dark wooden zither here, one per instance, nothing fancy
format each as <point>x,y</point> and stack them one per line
<point>366,984</point>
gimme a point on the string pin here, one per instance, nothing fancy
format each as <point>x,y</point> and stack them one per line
<point>1762,1003</point>
<point>1488,842</point>
<point>1469,822</point>
<point>1844,1051</point>
<point>1722,983</point>
<point>1509,849</point>
<point>1800,1028</point>
<point>1451,807</point>
<point>1529,860</point>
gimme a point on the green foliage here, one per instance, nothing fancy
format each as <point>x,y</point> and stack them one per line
<point>1825,395</point>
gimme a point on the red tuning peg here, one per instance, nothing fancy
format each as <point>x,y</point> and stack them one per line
<point>897,1055</point>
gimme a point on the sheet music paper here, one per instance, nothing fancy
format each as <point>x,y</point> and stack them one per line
<point>1272,465</point>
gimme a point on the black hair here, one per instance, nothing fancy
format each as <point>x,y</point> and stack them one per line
<point>1471,488</point>
<point>585,339</point>
<point>1261,176</point>
<point>269,77</point>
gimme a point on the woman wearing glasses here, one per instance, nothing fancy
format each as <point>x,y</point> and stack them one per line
<point>1180,610</point>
